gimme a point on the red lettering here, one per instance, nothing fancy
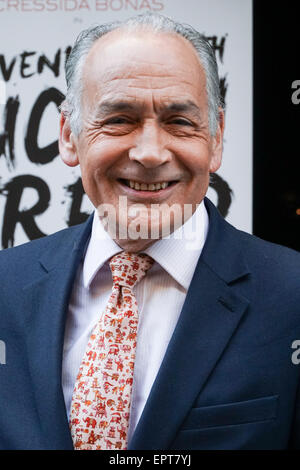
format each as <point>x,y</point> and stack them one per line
<point>13,4</point>
<point>145,4</point>
<point>84,5</point>
<point>129,4</point>
<point>38,4</point>
<point>159,5</point>
<point>24,4</point>
<point>101,5</point>
<point>51,3</point>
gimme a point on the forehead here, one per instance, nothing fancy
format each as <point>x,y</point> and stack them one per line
<point>140,64</point>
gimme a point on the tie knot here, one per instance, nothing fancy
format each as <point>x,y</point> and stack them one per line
<point>129,268</point>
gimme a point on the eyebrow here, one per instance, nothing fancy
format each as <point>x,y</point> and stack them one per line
<point>109,107</point>
<point>186,106</point>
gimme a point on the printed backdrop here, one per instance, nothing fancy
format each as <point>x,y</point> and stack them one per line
<point>38,193</point>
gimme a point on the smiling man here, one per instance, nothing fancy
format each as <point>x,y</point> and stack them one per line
<point>144,126</point>
<point>120,333</point>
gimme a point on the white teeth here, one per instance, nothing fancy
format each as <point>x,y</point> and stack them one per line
<point>147,187</point>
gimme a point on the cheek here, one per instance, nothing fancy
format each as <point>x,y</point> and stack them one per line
<point>195,156</point>
<point>99,157</point>
<point>197,165</point>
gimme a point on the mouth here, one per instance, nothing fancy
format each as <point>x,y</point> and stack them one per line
<point>153,187</point>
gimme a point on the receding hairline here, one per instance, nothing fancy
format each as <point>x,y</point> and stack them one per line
<point>141,30</point>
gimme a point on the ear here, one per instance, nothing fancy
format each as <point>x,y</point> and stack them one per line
<point>217,144</point>
<point>67,142</point>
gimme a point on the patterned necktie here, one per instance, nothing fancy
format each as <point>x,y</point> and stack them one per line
<point>101,399</point>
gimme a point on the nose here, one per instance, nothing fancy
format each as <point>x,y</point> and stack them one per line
<point>149,147</point>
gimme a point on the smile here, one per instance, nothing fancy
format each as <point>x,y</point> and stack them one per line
<point>138,186</point>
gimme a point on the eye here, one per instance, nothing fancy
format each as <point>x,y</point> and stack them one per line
<point>118,120</point>
<point>180,122</point>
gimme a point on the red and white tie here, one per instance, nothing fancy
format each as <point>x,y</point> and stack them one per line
<point>100,406</point>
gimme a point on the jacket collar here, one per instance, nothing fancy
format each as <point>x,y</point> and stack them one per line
<point>224,252</point>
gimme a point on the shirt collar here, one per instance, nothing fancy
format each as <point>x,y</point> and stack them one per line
<point>101,248</point>
<point>178,253</point>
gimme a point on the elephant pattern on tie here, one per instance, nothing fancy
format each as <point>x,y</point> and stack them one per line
<point>101,399</point>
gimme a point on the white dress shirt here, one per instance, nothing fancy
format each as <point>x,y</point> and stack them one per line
<point>160,297</point>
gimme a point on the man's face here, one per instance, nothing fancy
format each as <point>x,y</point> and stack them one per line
<point>145,122</point>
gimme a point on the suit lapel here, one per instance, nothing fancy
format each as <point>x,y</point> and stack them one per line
<point>47,299</point>
<point>210,315</point>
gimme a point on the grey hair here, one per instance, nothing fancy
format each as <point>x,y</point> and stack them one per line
<point>71,106</point>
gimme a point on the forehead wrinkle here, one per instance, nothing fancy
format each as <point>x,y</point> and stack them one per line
<point>132,69</point>
<point>143,81</point>
<point>125,71</point>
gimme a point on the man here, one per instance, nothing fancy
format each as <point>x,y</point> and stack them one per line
<point>218,313</point>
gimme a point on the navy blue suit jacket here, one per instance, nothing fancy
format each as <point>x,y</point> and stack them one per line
<point>227,380</point>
